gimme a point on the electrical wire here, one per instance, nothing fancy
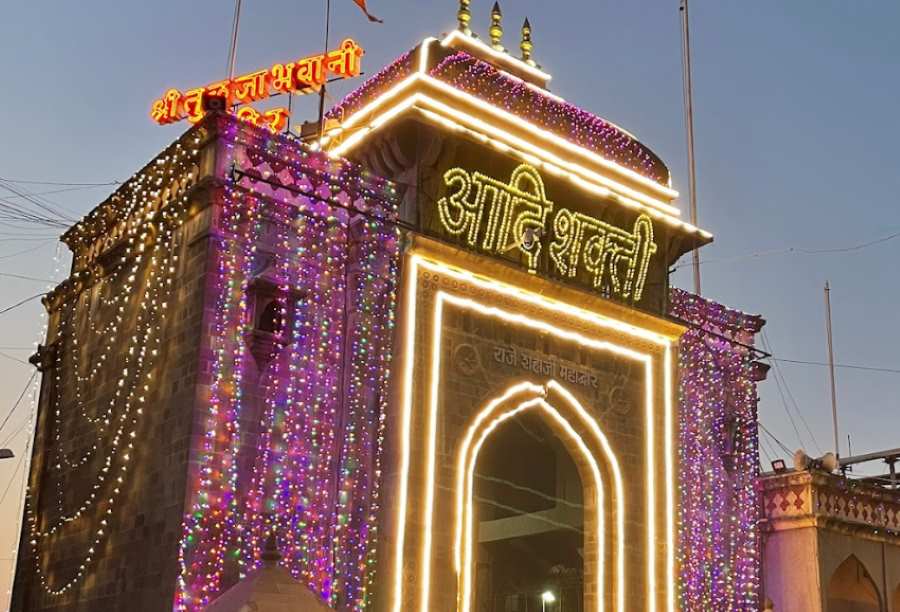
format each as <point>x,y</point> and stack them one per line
<point>25,301</point>
<point>46,205</point>
<point>797,251</point>
<point>14,433</point>
<point>12,358</point>
<point>18,401</point>
<point>12,478</point>
<point>777,441</point>
<point>779,374</point>
<point>23,277</point>
<point>28,250</point>
<point>839,365</point>
<point>59,183</point>
<point>787,411</point>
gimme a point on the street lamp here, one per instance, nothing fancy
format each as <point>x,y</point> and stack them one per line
<point>6,453</point>
<point>547,597</point>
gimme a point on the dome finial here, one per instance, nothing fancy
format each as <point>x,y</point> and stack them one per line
<point>464,16</point>
<point>526,45</point>
<point>496,30</point>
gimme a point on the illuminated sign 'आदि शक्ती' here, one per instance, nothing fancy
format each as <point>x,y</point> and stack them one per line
<point>497,217</point>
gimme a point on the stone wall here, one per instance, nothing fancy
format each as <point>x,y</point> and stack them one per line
<point>105,517</point>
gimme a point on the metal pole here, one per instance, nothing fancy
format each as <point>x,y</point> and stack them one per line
<point>232,52</point>
<point>322,89</point>
<point>837,448</point>
<point>689,127</point>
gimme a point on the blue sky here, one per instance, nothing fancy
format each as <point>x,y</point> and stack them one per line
<point>796,130</point>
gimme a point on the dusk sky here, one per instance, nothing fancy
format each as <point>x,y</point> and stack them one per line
<point>796,117</point>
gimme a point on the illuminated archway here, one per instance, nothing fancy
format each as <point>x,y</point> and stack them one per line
<point>851,589</point>
<point>604,563</point>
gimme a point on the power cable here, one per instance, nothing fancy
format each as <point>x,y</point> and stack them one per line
<point>763,446</point>
<point>787,411</point>
<point>25,301</point>
<point>60,183</point>
<point>35,201</point>
<point>797,250</point>
<point>779,374</point>
<point>11,358</point>
<point>839,365</point>
<point>18,401</point>
<point>15,433</point>
<point>777,441</point>
<point>25,251</point>
<point>12,478</point>
<point>53,191</point>
<point>28,278</point>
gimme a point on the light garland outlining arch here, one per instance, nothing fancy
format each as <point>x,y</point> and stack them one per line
<point>662,341</point>
<point>465,478</point>
<point>527,322</point>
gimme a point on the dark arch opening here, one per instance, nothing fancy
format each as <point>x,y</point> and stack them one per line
<point>851,589</point>
<point>529,511</point>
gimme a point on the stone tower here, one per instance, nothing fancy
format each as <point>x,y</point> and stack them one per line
<point>210,323</point>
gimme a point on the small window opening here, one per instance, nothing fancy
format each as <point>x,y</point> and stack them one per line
<point>270,318</point>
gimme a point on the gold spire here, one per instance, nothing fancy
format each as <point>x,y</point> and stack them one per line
<point>464,16</point>
<point>526,45</point>
<point>496,30</point>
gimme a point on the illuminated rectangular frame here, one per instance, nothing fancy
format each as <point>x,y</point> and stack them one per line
<point>665,342</point>
<point>582,176</point>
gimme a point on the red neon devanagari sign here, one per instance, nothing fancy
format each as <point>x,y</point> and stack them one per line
<point>299,77</point>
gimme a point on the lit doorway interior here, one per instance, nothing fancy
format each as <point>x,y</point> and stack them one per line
<point>529,511</point>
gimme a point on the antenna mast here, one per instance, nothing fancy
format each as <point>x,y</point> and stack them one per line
<point>837,448</point>
<point>689,127</point>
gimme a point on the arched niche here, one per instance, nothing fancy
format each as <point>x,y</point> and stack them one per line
<point>851,589</point>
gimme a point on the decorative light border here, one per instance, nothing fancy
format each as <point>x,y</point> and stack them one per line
<point>422,75</point>
<point>465,477</point>
<point>311,474</point>
<point>505,58</point>
<point>663,341</point>
<point>360,133</point>
<point>526,322</point>
<point>718,551</point>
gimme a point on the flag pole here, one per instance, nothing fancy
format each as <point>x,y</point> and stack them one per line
<point>322,89</point>
<point>689,128</point>
<point>232,52</point>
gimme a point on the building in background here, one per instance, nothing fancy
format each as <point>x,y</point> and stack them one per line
<point>436,355</point>
<point>831,543</point>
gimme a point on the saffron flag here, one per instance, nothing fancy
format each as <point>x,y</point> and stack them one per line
<point>362,5</point>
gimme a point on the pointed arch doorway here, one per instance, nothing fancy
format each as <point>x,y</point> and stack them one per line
<point>600,522</point>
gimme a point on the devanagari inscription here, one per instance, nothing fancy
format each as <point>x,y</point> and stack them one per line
<point>612,256</point>
<point>497,217</point>
<point>515,212</point>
